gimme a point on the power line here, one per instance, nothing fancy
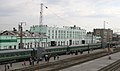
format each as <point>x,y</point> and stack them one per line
<point>57,15</point>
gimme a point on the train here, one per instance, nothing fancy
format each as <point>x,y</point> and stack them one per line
<point>7,56</point>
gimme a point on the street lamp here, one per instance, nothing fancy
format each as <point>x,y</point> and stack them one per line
<point>21,34</point>
<point>46,41</point>
<point>108,40</point>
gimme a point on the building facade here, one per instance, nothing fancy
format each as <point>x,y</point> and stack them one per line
<point>105,34</point>
<point>90,38</point>
<point>8,40</point>
<point>44,36</point>
<point>61,36</point>
<point>116,37</point>
<point>11,40</point>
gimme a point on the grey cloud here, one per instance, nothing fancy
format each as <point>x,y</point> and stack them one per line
<point>53,1</point>
<point>67,9</point>
<point>7,11</point>
<point>99,16</point>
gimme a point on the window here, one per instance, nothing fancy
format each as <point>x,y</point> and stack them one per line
<point>59,31</point>
<point>10,47</point>
<point>7,34</point>
<point>56,32</point>
<point>31,45</point>
<point>35,44</point>
<point>28,45</point>
<point>52,37</point>
<point>56,37</point>
<point>14,46</point>
<point>38,44</point>
<point>58,43</point>
<point>49,31</point>
<point>52,31</point>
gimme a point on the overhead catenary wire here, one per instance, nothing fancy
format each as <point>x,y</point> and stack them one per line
<point>60,17</point>
<point>57,15</point>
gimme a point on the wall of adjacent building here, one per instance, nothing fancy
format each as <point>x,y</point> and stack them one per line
<point>32,42</point>
<point>13,42</point>
<point>8,42</point>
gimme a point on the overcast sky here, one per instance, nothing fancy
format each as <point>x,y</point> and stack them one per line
<point>87,14</point>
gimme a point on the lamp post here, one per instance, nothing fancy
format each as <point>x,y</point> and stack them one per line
<point>88,49</point>
<point>105,35</point>
<point>46,41</point>
<point>21,34</point>
<point>109,48</point>
<point>108,41</point>
<point>0,43</point>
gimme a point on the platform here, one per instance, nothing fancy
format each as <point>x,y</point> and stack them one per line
<point>94,65</point>
<point>19,64</point>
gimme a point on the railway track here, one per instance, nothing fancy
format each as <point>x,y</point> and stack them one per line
<point>61,64</point>
<point>112,67</point>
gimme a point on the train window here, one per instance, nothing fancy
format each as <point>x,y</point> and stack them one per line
<point>17,54</point>
<point>7,55</point>
<point>22,53</point>
<point>11,55</point>
<point>26,53</point>
<point>2,55</point>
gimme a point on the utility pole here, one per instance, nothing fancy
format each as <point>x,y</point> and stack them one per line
<point>104,40</point>
<point>104,24</point>
<point>88,49</point>
<point>108,42</point>
<point>92,37</point>
<point>21,34</point>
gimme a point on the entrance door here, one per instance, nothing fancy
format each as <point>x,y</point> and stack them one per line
<point>70,42</point>
<point>53,43</point>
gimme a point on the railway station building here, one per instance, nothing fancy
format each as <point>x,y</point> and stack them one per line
<point>44,36</point>
<point>67,35</point>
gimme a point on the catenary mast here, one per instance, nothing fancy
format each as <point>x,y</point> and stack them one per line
<point>41,14</point>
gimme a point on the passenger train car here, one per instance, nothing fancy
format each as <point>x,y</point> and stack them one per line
<point>24,54</point>
<point>11,55</point>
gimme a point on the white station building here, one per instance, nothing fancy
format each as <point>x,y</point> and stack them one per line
<point>63,36</point>
<point>44,36</point>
